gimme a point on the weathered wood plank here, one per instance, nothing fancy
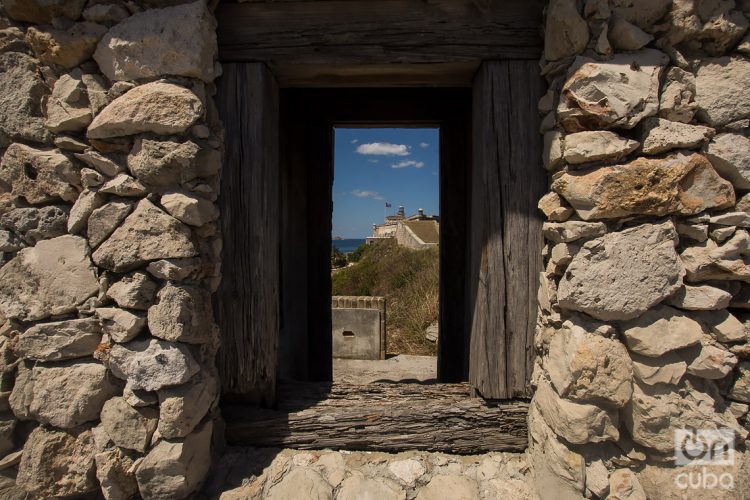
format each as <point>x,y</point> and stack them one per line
<point>505,247</point>
<point>382,417</point>
<point>379,31</point>
<point>247,302</point>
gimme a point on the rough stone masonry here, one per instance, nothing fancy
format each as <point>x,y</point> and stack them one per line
<point>111,159</point>
<point>645,301</point>
<point>111,156</point>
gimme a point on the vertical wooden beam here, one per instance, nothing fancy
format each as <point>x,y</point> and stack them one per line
<point>247,302</point>
<point>505,239</point>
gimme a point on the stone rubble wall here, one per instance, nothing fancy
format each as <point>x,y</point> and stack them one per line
<point>645,302</point>
<point>111,155</point>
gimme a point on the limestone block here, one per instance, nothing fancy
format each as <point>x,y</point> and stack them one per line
<point>741,389</point>
<point>121,325</point>
<point>12,40</point>
<point>566,32</point>
<point>553,149</point>
<point>554,207</point>
<point>723,325</point>
<point>22,92</point>
<point>68,107</point>
<point>709,361</point>
<point>666,369</point>
<point>90,178</point>
<point>181,408</point>
<point>100,163</point>
<point>182,313</point>
<point>700,298</point>
<point>722,93</point>
<point>655,412</point>
<point>627,36</point>
<point>129,427</point>
<point>617,93</point>
<point>622,275</point>
<point>624,485</point>
<point>58,463</point>
<point>134,291</point>
<point>661,330</point>
<point>558,471</point>
<point>124,185</point>
<point>146,234</point>
<point>642,13</point>
<point>646,187</point>
<point>600,145</point>
<point>174,469</point>
<point>163,163</point>
<point>586,367</point>
<point>408,470</point>
<point>730,156</point>
<point>152,364</point>
<point>179,40</point>
<point>87,202</point>
<point>9,242</point>
<point>114,470</point>
<point>138,398</point>
<point>158,107</point>
<point>677,100</point>
<point>174,269</point>
<point>43,11</point>
<point>710,27</point>
<point>660,135</point>
<point>64,395</point>
<point>104,220</point>
<point>60,340</point>
<point>448,486</point>
<point>65,47</point>
<point>597,478</point>
<point>190,209</point>
<point>360,487</point>
<point>39,175</point>
<point>576,423</point>
<point>566,232</point>
<point>36,224</point>
<point>709,261</point>
<point>54,277</point>
<point>734,219</point>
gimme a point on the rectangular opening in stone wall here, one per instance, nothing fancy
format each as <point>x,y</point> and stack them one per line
<point>385,254</point>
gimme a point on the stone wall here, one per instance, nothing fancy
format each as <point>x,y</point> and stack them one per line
<point>643,326</point>
<point>111,155</point>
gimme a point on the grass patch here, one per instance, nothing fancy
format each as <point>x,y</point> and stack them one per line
<point>409,281</point>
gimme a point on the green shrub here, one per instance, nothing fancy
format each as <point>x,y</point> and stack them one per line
<point>408,279</point>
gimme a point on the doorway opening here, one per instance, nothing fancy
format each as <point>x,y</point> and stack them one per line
<point>385,254</point>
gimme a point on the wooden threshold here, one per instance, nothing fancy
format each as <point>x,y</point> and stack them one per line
<point>381,417</point>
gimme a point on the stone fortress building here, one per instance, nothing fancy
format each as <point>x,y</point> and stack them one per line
<point>416,231</point>
<point>111,239</point>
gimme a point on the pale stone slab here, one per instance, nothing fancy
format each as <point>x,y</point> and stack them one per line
<point>60,340</point>
<point>53,277</point>
<point>179,40</point>
<point>621,275</point>
<point>162,108</point>
<point>661,330</point>
<point>152,364</point>
<point>39,175</point>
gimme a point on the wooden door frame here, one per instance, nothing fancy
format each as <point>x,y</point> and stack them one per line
<point>262,50</point>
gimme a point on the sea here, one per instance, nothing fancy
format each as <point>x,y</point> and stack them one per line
<point>346,246</point>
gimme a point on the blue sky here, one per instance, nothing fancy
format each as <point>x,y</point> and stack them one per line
<point>375,165</point>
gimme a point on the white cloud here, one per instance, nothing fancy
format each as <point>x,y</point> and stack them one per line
<point>363,193</point>
<point>424,145</point>
<point>354,141</point>
<point>408,163</point>
<point>383,149</point>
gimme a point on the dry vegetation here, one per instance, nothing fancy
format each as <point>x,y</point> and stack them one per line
<point>409,280</point>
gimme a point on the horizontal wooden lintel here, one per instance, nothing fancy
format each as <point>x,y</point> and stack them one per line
<point>381,417</point>
<point>357,32</point>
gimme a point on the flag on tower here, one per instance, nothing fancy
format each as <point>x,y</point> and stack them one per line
<point>388,205</point>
